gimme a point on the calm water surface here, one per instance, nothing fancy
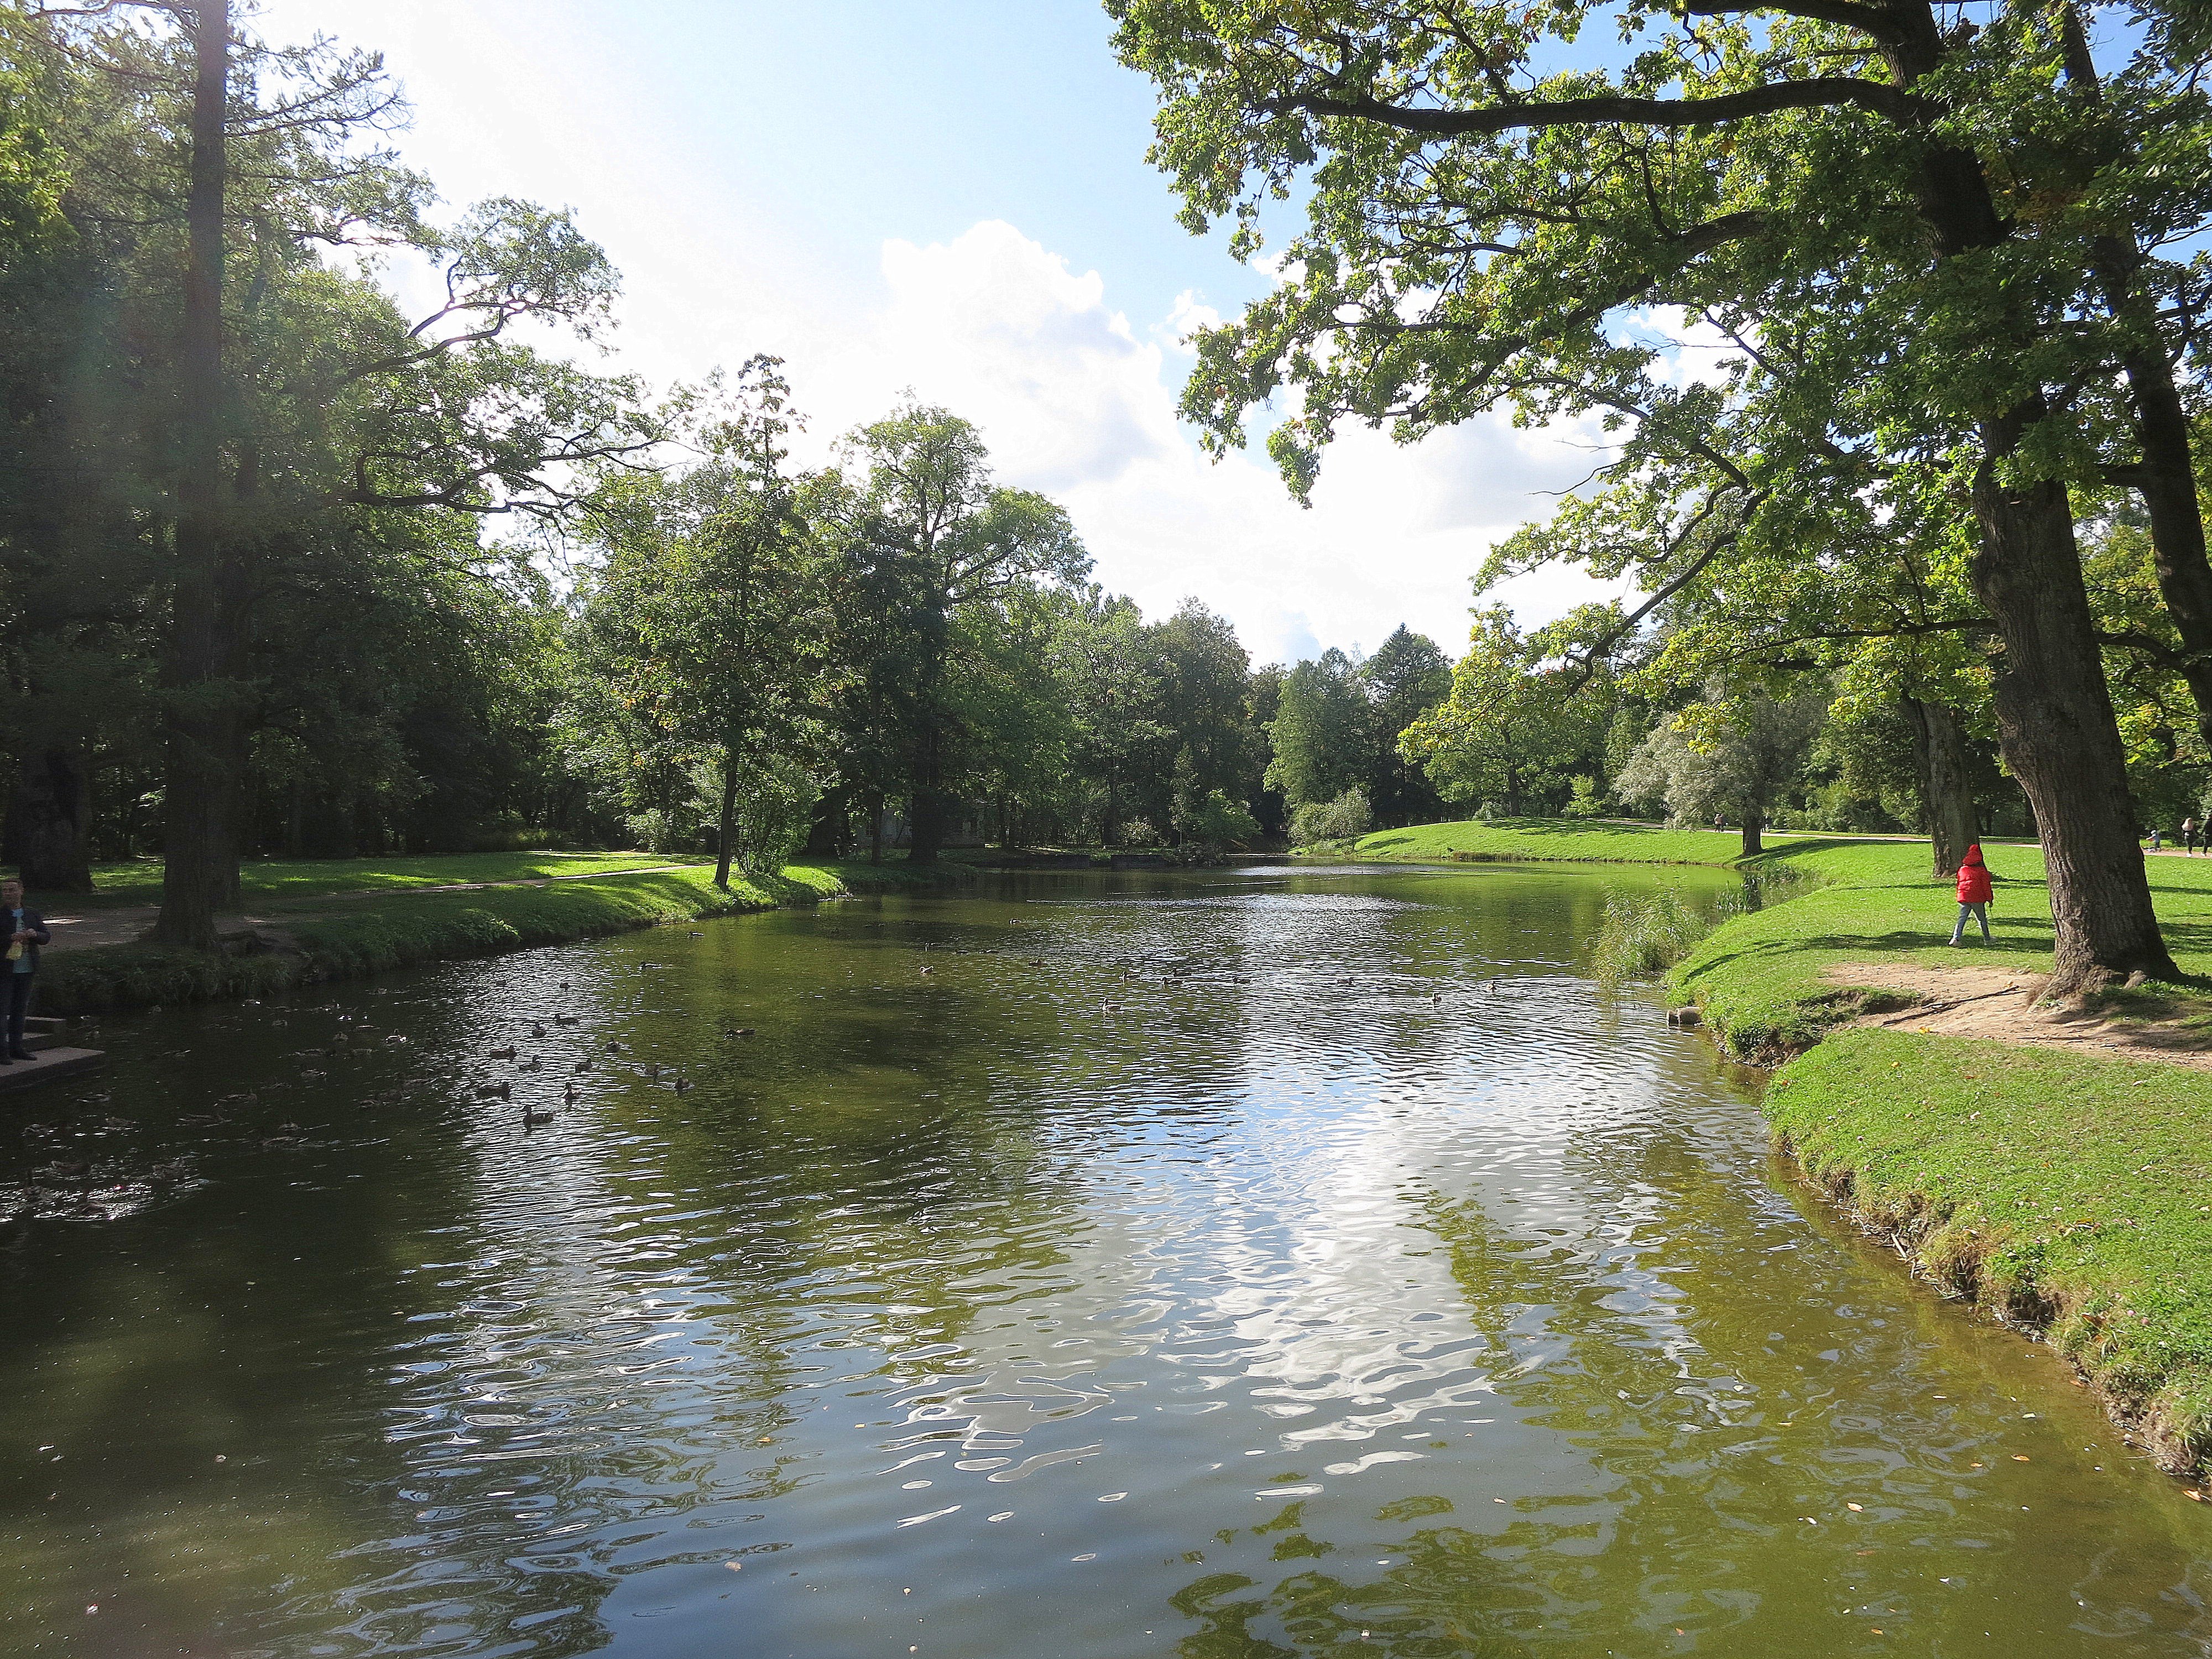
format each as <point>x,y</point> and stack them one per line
<point>1224,1266</point>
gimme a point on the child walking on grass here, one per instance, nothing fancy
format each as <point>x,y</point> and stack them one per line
<point>1974,893</point>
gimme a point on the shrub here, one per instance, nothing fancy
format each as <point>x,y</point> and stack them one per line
<point>1219,821</point>
<point>1346,818</point>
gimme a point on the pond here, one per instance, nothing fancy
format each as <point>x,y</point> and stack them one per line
<point>1218,1264</point>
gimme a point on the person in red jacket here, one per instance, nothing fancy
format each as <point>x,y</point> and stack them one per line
<point>1974,894</point>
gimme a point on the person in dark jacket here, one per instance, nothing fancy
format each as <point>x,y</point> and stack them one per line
<point>27,931</point>
<point>1974,894</point>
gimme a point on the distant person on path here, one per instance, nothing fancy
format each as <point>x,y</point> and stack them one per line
<point>2189,835</point>
<point>26,931</point>
<point>1974,893</point>
<point>2154,838</point>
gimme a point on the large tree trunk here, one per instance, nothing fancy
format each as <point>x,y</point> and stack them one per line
<point>2058,735</point>
<point>925,828</point>
<point>2164,475</point>
<point>1939,756</point>
<point>2054,711</point>
<point>826,836</point>
<point>205,732</point>
<point>926,806</point>
<point>729,823</point>
<point>51,820</point>
<point>1754,824</point>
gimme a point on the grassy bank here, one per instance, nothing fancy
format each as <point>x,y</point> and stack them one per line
<point>1764,980</point>
<point>1577,839</point>
<point>2068,1194</point>
<point>2071,1194</point>
<point>267,880</point>
<point>398,928</point>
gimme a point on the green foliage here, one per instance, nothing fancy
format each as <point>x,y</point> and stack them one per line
<point>1322,731</point>
<point>1314,823</point>
<point>1407,676</point>
<point>1731,758</point>
<point>1516,725</point>
<point>925,541</point>
<point>704,623</point>
<point>1219,822</point>
<point>1112,677</point>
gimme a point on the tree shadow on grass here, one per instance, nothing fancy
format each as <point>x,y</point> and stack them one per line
<point>1899,943</point>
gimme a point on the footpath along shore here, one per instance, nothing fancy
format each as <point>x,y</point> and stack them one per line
<point>302,921</point>
<point>2054,1168</point>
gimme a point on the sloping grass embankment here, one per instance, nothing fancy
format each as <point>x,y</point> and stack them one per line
<point>264,881</point>
<point>1591,841</point>
<point>2070,1194</point>
<point>347,937</point>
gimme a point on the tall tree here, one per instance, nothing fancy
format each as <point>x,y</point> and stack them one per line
<point>916,503</point>
<point>1513,720</point>
<point>1733,757</point>
<point>275,394</point>
<point>1323,733</point>
<point>1407,676</point>
<point>714,585</point>
<point>1114,680</point>
<point>1204,671</point>
<point>1477,227</point>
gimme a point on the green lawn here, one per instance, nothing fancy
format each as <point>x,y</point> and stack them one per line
<point>1759,977</point>
<point>139,882</point>
<point>1545,839</point>
<point>2069,1192</point>
<point>401,928</point>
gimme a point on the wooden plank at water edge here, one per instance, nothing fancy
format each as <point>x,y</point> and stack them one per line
<point>46,1064</point>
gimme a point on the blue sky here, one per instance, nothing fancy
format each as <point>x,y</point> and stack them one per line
<point>949,197</point>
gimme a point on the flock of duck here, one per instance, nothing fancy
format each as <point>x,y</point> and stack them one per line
<point>680,1081</point>
<point>532,1115</point>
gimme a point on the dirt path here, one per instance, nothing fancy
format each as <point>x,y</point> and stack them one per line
<point>127,923</point>
<point>1998,1005</point>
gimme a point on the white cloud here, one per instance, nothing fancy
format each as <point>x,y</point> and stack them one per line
<point>1074,402</point>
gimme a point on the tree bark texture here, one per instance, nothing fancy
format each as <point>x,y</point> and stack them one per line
<point>1754,827</point>
<point>2166,479</point>
<point>2058,735</point>
<point>928,809</point>
<point>2165,474</point>
<point>205,728</point>
<point>729,817</point>
<point>50,818</point>
<point>827,834</point>
<point>1939,756</point>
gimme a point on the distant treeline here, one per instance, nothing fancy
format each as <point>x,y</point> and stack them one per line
<point>289,570</point>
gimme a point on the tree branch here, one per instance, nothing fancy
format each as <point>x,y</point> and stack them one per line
<point>1821,91</point>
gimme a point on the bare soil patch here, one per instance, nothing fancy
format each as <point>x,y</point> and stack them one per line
<point>2003,1006</point>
